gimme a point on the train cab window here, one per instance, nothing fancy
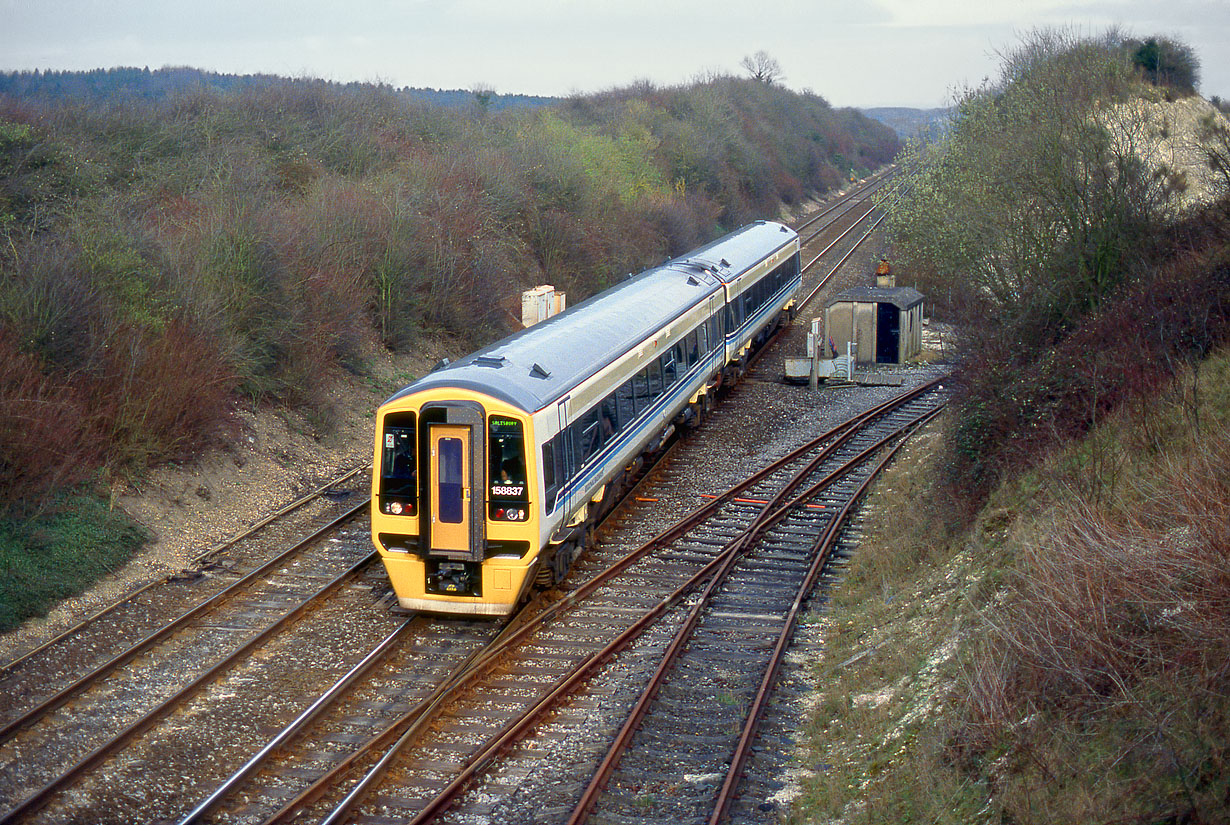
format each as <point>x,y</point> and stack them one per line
<point>398,467</point>
<point>506,458</point>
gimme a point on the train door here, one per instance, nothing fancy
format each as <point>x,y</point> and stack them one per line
<point>450,487</point>
<point>715,341</point>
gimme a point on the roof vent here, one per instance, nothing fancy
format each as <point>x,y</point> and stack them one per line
<point>692,280</point>
<point>539,371</point>
<point>441,364</point>
<point>496,361</point>
<point>725,263</point>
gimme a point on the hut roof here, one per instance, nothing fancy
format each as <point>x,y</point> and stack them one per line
<point>903,297</point>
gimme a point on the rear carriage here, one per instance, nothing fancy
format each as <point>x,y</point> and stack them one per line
<point>490,472</point>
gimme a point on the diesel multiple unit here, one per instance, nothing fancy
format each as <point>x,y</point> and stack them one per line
<point>490,472</point>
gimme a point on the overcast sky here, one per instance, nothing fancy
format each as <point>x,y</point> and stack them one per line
<point>853,52</point>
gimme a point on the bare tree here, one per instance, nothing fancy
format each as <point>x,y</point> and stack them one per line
<point>763,67</point>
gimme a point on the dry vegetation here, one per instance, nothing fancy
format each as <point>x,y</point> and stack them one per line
<point>1065,660</point>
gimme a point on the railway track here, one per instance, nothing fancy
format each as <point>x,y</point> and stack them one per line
<point>68,727</point>
<point>443,689</point>
<point>135,614</point>
<point>702,707</point>
<point>484,706</point>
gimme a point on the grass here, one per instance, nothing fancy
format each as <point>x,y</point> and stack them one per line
<point>1061,659</point>
<point>871,741</point>
<point>59,553</point>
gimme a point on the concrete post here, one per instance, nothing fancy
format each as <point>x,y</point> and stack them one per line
<point>813,380</point>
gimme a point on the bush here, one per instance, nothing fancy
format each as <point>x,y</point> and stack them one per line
<point>1166,62</point>
<point>42,429</point>
<point>1018,404</point>
<point>157,395</point>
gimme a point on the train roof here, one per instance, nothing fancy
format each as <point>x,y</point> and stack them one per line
<point>537,366</point>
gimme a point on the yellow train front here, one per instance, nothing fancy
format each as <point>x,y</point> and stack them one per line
<point>490,473</point>
<point>451,510</point>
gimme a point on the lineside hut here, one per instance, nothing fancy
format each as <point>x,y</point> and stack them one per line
<point>885,322</point>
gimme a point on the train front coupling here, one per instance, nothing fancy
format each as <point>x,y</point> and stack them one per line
<point>454,578</point>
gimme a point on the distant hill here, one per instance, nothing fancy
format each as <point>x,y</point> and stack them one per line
<point>129,83</point>
<point>909,122</point>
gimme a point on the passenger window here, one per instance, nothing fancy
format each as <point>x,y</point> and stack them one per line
<point>609,419</point>
<point>570,438</point>
<point>640,382</point>
<point>625,404</point>
<point>653,374</point>
<point>693,354</point>
<point>591,435</point>
<point>669,373</point>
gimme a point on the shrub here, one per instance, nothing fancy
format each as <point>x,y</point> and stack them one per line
<point>158,395</point>
<point>1166,62</point>
<point>42,429</point>
<point>1016,404</point>
<point>162,248</point>
<point>1037,227</point>
<point>49,305</point>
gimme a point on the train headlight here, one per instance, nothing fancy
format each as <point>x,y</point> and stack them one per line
<point>395,508</point>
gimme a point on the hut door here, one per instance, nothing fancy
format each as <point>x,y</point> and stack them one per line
<point>888,334</point>
<point>450,487</point>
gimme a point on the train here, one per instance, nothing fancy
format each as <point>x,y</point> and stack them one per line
<point>490,473</point>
